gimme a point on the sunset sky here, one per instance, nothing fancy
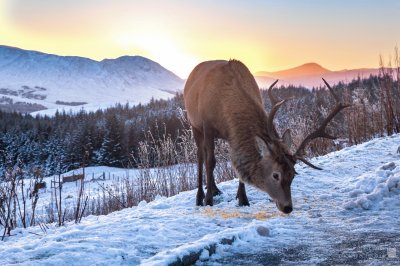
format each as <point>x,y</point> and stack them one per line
<point>265,35</point>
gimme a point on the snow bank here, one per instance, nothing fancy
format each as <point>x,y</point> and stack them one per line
<point>372,188</point>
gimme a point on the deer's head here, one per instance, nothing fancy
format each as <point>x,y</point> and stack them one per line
<point>275,168</point>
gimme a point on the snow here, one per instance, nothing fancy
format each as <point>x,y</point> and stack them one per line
<point>97,179</point>
<point>375,187</point>
<point>90,107</point>
<point>329,207</point>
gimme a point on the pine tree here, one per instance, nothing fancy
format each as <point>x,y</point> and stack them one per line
<point>111,152</point>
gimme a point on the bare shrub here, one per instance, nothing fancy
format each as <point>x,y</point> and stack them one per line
<point>37,183</point>
<point>16,188</point>
<point>7,203</point>
<point>56,200</point>
<point>82,200</point>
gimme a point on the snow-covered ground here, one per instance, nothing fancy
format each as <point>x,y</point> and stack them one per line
<point>347,213</point>
<point>97,180</point>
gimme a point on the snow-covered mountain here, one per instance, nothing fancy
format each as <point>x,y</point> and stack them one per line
<point>54,81</point>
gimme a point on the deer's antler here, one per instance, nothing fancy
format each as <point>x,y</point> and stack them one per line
<point>320,132</point>
<point>275,103</point>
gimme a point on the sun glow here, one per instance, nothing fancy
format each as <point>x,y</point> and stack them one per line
<point>265,35</point>
<point>159,47</point>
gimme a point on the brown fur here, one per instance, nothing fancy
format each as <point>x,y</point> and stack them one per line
<point>223,100</point>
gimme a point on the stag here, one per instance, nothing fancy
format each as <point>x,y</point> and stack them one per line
<point>222,100</point>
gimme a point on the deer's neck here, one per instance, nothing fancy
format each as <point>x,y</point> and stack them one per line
<point>244,160</point>
<point>244,153</point>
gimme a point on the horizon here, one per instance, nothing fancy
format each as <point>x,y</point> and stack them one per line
<point>273,35</point>
<point>314,63</point>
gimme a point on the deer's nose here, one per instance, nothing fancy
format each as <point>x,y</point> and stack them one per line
<point>287,209</point>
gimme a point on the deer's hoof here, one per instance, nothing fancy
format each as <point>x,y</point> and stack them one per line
<point>199,202</point>
<point>199,198</point>
<point>209,199</point>
<point>243,201</point>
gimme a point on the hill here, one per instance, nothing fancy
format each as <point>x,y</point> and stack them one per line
<point>303,70</point>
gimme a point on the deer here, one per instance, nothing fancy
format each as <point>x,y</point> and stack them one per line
<point>222,100</point>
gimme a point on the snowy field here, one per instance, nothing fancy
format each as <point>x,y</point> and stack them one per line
<point>347,213</point>
<point>98,180</point>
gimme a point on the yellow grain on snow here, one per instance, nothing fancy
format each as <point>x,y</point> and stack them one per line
<point>231,214</point>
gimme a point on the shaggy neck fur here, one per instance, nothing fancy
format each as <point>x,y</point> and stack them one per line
<point>244,153</point>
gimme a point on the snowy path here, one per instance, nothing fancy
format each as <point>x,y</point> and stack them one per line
<point>347,214</point>
<point>356,198</point>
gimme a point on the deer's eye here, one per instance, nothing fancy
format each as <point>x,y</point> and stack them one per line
<point>276,176</point>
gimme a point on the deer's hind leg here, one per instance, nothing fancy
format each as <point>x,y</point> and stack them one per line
<point>199,139</point>
<point>209,145</point>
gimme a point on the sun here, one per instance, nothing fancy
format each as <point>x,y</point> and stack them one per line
<point>160,47</point>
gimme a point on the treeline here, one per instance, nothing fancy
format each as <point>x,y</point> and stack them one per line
<point>65,141</point>
<point>120,136</point>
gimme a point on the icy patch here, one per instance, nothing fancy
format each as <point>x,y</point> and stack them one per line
<point>375,187</point>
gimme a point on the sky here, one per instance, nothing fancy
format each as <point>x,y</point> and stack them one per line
<point>265,35</point>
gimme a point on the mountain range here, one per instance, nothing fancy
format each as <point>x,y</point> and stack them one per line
<point>34,81</point>
<point>309,75</point>
<point>47,81</point>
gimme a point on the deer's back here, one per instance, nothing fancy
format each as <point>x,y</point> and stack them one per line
<point>216,90</point>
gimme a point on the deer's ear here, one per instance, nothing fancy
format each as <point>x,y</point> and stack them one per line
<point>287,138</point>
<point>262,147</point>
